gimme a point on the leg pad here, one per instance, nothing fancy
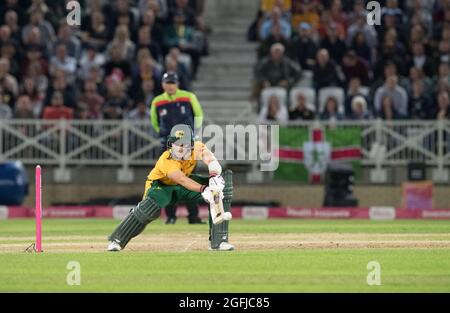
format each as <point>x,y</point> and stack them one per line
<point>134,223</point>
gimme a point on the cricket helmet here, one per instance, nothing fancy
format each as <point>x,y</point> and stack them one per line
<point>181,134</point>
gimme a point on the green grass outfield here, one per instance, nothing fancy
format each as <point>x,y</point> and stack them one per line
<point>289,268</point>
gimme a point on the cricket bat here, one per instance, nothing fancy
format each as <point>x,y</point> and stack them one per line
<point>217,213</point>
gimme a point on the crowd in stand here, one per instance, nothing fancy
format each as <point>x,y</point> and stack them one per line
<point>109,67</point>
<point>334,65</point>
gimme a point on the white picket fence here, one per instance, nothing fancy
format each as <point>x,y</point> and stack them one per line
<point>127,143</point>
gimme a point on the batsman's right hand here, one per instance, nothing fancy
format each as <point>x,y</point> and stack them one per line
<point>208,194</point>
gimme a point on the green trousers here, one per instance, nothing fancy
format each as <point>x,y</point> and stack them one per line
<point>165,195</point>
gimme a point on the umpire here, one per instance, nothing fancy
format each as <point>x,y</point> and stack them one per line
<point>175,106</point>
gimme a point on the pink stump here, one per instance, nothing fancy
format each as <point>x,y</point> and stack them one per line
<point>38,210</point>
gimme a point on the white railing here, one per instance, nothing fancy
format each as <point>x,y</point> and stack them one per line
<point>129,143</point>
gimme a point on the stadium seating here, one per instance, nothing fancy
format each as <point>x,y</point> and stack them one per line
<point>327,92</point>
<point>309,93</point>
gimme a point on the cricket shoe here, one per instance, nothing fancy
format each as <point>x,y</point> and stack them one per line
<point>224,246</point>
<point>114,246</point>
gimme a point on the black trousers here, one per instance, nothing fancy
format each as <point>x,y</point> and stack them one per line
<point>171,211</point>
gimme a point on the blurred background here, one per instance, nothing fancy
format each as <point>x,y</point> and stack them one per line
<point>363,110</point>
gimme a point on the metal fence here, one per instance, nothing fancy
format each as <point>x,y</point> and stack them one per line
<point>128,143</point>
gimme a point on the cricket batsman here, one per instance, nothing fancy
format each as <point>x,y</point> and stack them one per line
<point>171,181</point>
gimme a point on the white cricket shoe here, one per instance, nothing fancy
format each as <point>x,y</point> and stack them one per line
<point>113,246</point>
<point>224,246</point>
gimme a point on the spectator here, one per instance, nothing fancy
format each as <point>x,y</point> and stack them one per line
<point>60,84</point>
<point>146,91</point>
<point>95,33</point>
<point>5,34</point>
<point>420,60</point>
<point>396,94</point>
<point>140,113</point>
<point>122,10</point>
<point>112,112</point>
<point>388,111</point>
<point>5,110</point>
<point>360,26</point>
<point>303,48</point>
<point>362,49</point>
<point>183,59</point>
<point>117,64</point>
<point>183,40</point>
<point>24,108</point>
<point>81,113</point>
<point>92,100</point>
<point>13,5</point>
<point>33,96</point>
<point>354,90</point>
<point>12,21</point>
<point>8,83</point>
<point>277,69</point>
<point>117,101</point>
<point>416,74</point>
<point>389,69</point>
<point>420,104</point>
<point>353,66</point>
<point>147,70</point>
<point>173,66</point>
<point>300,109</point>
<point>333,44</point>
<point>8,51</point>
<point>90,58</point>
<point>325,73</point>
<point>36,72</point>
<point>275,36</point>
<point>276,19</point>
<point>57,110</point>
<point>47,33</point>
<point>443,73</point>
<point>392,9</point>
<point>275,111</point>
<point>331,112</point>
<point>159,6</point>
<point>443,55</point>
<point>62,62</point>
<point>443,105</point>
<point>359,109</point>
<point>389,55</point>
<point>145,41</point>
<point>122,39</point>
<point>156,28</point>
<point>305,11</point>
<point>66,36</point>
<point>182,7</point>
<point>338,16</point>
